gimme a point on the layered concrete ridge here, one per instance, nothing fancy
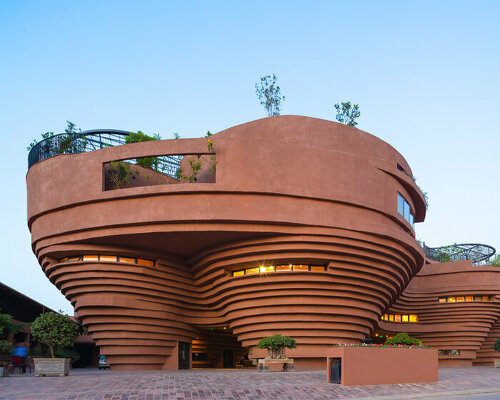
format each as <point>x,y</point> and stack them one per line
<point>288,189</point>
<point>467,328</point>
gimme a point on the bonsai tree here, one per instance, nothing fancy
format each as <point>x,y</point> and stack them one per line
<point>404,339</point>
<point>54,330</point>
<point>496,346</point>
<point>276,345</point>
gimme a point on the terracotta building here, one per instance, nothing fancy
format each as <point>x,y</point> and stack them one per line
<point>186,252</point>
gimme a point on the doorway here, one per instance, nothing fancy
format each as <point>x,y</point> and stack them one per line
<point>184,355</point>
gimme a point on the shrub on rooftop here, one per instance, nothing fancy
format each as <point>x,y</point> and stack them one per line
<point>404,339</point>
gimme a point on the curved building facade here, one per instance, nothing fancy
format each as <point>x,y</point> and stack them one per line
<point>288,225</point>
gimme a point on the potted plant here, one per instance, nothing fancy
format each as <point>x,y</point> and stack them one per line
<point>276,345</point>
<point>496,346</point>
<point>56,331</point>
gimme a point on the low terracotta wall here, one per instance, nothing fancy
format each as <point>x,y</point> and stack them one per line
<point>373,366</point>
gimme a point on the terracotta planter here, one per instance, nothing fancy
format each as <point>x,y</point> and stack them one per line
<point>51,366</point>
<point>497,362</point>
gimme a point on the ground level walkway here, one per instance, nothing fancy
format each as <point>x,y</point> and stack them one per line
<point>92,384</point>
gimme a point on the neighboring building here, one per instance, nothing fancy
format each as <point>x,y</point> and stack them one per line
<point>289,225</point>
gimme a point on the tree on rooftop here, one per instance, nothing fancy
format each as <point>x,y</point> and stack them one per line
<point>269,95</point>
<point>347,113</point>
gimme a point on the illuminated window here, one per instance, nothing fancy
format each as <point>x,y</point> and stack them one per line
<point>442,299</point>
<point>460,299</point>
<point>287,267</point>
<point>301,267</point>
<point>64,259</point>
<point>146,263</point>
<point>385,317</point>
<point>239,273</point>
<point>391,317</point>
<point>91,258</point>
<point>404,318</point>
<point>250,271</point>
<point>469,298</point>
<point>451,299</point>
<point>317,268</point>
<point>107,258</point>
<point>477,298</point>
<point>397,318</point>
<point>77,258</point>
<point>413,318</point>
<point>267,269</point>
<point>127,260</point>
<point>486,298</point>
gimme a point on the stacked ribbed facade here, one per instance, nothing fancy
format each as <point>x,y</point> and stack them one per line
<point>151,267</point>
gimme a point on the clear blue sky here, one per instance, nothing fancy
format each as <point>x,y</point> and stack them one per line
<point>424,73</point>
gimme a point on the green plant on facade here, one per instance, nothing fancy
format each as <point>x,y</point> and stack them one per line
<point>196,163</point>
<point>496,345</point>
<point>276,345</point>
<point>139,136</point>
<point>7,327</point>
<point>120,172</point>
<point>347,113</point>
<point>403,339</point>
<point>494,261</point>
<point>56,331</point>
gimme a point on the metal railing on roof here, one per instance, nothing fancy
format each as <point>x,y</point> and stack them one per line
<point>476,252</point>
<point>81,142</point>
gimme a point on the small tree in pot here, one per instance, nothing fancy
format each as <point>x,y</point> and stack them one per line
<point>496,347</point>
<point>276,345</point>
<point>55,331</point>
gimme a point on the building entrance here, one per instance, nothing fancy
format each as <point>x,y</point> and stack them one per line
<point>218,348</point>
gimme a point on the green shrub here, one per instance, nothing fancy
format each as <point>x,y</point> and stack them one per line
<point>404,339</point>
<point>54,330</point>
<point>5,347</point>
<point>276,345</point>
<point>496,346</point>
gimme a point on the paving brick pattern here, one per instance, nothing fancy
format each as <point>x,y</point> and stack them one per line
<point>234,385</point>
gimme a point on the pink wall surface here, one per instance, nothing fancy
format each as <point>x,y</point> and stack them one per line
<point>375,366</point>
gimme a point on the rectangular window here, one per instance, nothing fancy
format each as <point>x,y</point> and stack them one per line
<point>401,202</point>
<point>107,258</point>
<point>469,298</point>
<point>477,298</point>
<point>442,299</point>
<point>404,318</point>
<point>127,260</point>
<point>317,268</point>
<point>413,318</point>
<point>385,317</point>
<point>451,299</point>
<point>267,269</point>
<point>146,263</point>
<point>486,298</point>
<point>412,221</point>
<point>91,258</point>
<point>301,267</point>
<point>251,271</point>
<point>391,317</point>
<point>460,299</point>
<point>397,318</point>
<point>239,273</point>
<point>286,267</point>
<point>407,211</point>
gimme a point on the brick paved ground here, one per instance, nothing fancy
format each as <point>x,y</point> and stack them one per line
<point>235,385</point>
